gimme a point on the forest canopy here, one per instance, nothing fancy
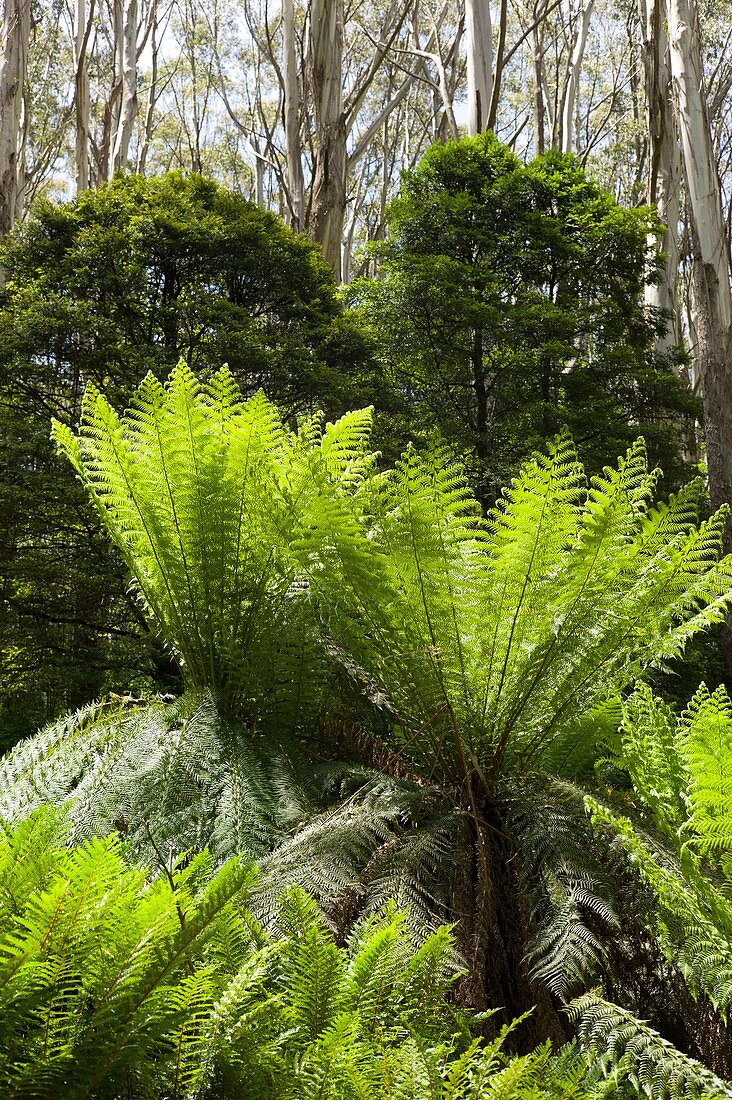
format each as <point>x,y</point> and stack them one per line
<point>510,302</point>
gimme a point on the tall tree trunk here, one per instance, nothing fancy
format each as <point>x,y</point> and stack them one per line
<point>83,15</point>
<point>329,173</point>
<point>711,297</point>
<point>152,98</point>
<point>537,51</point>
<point>13,69</point>
<point>124,109</point>
<point>293,147</point>
<point>574,71</point>
<point>479,45</point>
<point>664,177</point>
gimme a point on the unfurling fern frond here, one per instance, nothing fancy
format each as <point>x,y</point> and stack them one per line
<point>627,1047</point>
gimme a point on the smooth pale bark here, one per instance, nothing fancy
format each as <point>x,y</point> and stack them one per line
<point>537,54</point>
<point>479,46</point>
<point>500,60</point>
<point>83,16</point>
<point>664,175</point>
<point>329,173</point>
<point>700,167</point>
<point>711,300</point>
<point>13,70</point>
<point>293,146</point>
<point>124,109</point>
<point>152,98</point>
<point>568,142</point>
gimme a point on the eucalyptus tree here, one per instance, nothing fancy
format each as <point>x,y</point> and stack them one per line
<point>712,297</point>
<point>16,22</point>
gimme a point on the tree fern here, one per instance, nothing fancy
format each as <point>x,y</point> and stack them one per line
<point>275,564</point>
<point>113,985</point>
<point>488,638</point>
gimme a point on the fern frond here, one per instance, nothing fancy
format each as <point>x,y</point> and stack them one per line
<point>627,1047</point>
<point>562,871</point>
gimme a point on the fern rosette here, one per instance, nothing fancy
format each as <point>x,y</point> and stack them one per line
<point>389,694</point>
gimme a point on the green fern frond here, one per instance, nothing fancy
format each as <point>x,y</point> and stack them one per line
<point>627,1047</point>
<point>206,496</point>
<point>491,640</point>
<point>562,870</point>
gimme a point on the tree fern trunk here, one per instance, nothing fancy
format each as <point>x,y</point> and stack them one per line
<point>493,930</point>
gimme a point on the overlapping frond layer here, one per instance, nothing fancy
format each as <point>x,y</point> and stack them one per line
<point>488,640</point>
<point>681,840</point>
<point>180,777</point>
<point>205,495</point>
<point>166,776</point>
<point>116,985</point>
<point>485,639</point>
<point>563,873</point>
<point>627,1047</point>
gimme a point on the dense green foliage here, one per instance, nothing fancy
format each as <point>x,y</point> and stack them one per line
<point>509,303</point>
<point>417,698</point>
<point>117,985</point>
<point>678,827</point>
<point>476,655</point>
<point>126,279</point>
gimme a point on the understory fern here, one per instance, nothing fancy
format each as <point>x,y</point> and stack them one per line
<point>115,986</point>
<point>296,584</point>
<point>627,1048</point>
<point>678,828</point>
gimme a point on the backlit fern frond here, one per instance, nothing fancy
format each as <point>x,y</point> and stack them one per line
<point>205,495</point>
<point>681,842</point>
<point>693,918</point>
<point>705,743</point>
<point>491,639</point>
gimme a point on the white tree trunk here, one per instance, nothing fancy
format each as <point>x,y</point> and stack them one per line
<point>479,45</point>
<point>700,165</point>
<point>710,275</point>
<point>152,97</point>
<point>664,155</point>
<point>329,173</point>
<point>569,106</point>
<point>13,70</point>
<point>293,146</point>
<point>83,15</point>
<point>126,27</point>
